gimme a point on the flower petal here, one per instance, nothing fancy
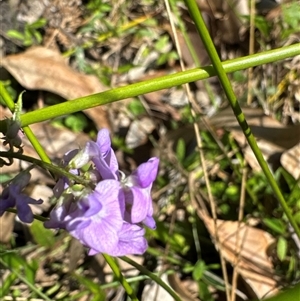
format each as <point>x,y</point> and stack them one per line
<point>149,222</point>
<point>131,241</point>
<point>138,199</point>
<point>100,237</point>
<point>146,173</point>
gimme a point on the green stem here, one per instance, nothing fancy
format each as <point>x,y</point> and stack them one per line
<point>37,217</point>
<point>154,277</point>
<point>36,144</point>
<point>24,280</point>
<point>221,73</point>
<point>156,84</point>
<point>52,168</point>
<point>120,277</point>
<point>6,97</point>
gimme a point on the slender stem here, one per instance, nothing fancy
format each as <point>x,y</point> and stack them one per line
<point>6,97</point>
<point>52,168</point>
<point>152,276</point>
<point>221,73</point>
<point>35,216</point>
<point>36,144</point>
<point>156,84</point>
<point>24,280</point>
<point>120,277</point>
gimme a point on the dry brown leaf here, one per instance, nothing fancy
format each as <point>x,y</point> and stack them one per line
<point>290,160</point>
<point>263,127</point>
<point>246,248</point>
<point>40,68</point>
<point>7,221</point>
<point>272,136</point>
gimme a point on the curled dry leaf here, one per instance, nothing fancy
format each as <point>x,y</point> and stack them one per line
<point>290,160</point>
<point>40,68</point>
<point>246,248</point>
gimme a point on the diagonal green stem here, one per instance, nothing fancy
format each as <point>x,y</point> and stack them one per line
<point>56,170</point>
<point>154,277</point>
<point>221,73</point>
<point>156,84</point>
<point>120,277</point>
<point>24,280</point>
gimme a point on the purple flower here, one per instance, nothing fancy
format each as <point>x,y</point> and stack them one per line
<point>101,154</point>
<point>138,194</point>
<point>97,222</point>
<point>12,196</point>
<point>109,218</point>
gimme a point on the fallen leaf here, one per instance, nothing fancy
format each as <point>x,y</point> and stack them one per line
<point>40,68</point>
<point>290,160</point>
<point>246,248</point>
<point>7,221</point>
<point>263,126</point>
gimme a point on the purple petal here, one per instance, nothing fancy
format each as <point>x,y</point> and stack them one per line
<point>103,141</point>
<point>59,213</point>
<point>139,200</point>
<point>131,241</point>
<point>24,211</point>
<point>101,237</point>
<point>149,222</point>
<point>146,173</point>
<point>109,193</point>
<point>105,222</point>
<point>106,162</point>
<point>106,169</point>
<point>6,201</point>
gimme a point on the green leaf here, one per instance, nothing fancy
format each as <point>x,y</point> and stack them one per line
<point>204,293</point>
<point>38,24</point>
<point>275,224</point>
<point>180,150</point>
<point>232,192</point>
<point>136,107</point>
<point>291,294</point>
<point>94,288</point>
<point>199,269</point>
<point>6,284</point>
<point>282,248</point>
<point>263,26</point>
<point>15,34</point>
<point>42,236</point>
<point>76,122</point>
<point>161,44</point>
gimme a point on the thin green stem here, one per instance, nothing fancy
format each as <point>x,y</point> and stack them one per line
<point>37,217</point>
<point>156,84</point>
<point>6,97</point>
<point>111,262</point>
<point>52,168</point>
<point>24,280</point>
<point>221,73</point>
<point>36,144</point>
<point>154,277</point>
